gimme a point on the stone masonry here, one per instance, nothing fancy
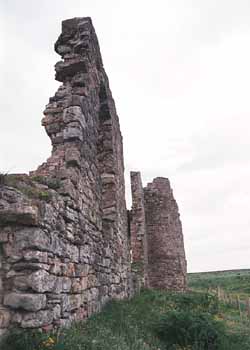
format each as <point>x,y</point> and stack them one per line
<point>156,235</point>
<point>167,266</point>
<point>65,248</point>
<point>138,231</point>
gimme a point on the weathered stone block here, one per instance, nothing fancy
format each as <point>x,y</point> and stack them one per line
<point>5,317</point>
<point>73,157</point>
<point>33,239</point>
<point>37,319</point>
<point>72,302</point>
<point>41,281</point>
<point>85,252</point>
<point>72,252</point>
<point>82,270</point>
<point>66,69</point>
<point>25,301</point>
<point>79,284</point>
<point>72,133</point>
<point>36,256</point>
<point>27,215</point>
<point>74,114</point>
<point>56,312</point>
<point>63,285</point>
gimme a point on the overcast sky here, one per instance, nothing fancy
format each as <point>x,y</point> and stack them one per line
<point>179,71</point>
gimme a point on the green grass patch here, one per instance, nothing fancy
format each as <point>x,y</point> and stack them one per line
<point>28,185</point>
<point>234,281</point>
<point>48,181</point>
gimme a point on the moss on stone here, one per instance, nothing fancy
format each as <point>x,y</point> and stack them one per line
<point>50,182</point>
<point>26,185</point>
<point>137,266</point>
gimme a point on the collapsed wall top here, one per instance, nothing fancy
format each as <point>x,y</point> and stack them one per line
<point>83,97</point>
<point>78,46</point>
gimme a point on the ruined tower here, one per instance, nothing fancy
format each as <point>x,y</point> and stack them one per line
<point>156,235</point>
<point>139,243</point>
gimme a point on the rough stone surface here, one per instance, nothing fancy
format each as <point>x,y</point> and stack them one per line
<point>16,209</point>
<point>158,255</point>
<point>63,229</point>
<point>167,266</point>
<point>64,233</point>
<point>29,302</point>
<point>138,229</point>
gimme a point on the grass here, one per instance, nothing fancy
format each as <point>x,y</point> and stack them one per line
<point>28,185</point>
<point>148,321</point>
<point>231,281</point>
<point>50,182</point>
<point>235,283</point>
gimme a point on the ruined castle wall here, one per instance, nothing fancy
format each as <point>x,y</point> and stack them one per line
<point>63,229</point>
<point>64,245</point>
<point>138,230</point>
<point>166,255</point>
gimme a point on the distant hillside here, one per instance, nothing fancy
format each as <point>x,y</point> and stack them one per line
<point>233,281</point>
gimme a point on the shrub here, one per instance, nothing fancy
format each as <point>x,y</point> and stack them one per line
<point>188,329</point>
<point>202,302</point>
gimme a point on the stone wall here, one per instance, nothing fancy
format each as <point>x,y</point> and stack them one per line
<point>64,234</point>
<point>64,238</point>
<point>138,230</point>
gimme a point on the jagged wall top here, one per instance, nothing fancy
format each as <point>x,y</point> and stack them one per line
<point>81,102</point>
<point>64,245</point>
<point>78,46</point>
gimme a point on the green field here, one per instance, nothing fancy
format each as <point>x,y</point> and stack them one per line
<point>235,284</point>
<point>231,281</point>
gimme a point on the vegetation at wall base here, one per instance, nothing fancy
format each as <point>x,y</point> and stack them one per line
<point>153,320</point>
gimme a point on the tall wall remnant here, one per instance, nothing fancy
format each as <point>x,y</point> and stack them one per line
<point>64,242</point>
<point>139,244</point>
<point>156,235</point>
<point>167,262</point>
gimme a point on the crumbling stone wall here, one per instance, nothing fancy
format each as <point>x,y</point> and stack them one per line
<point>64,242</point>
<point>138,230</point>
<point>64,235</point>
<point>156,234</point>
<point>166,255</point>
